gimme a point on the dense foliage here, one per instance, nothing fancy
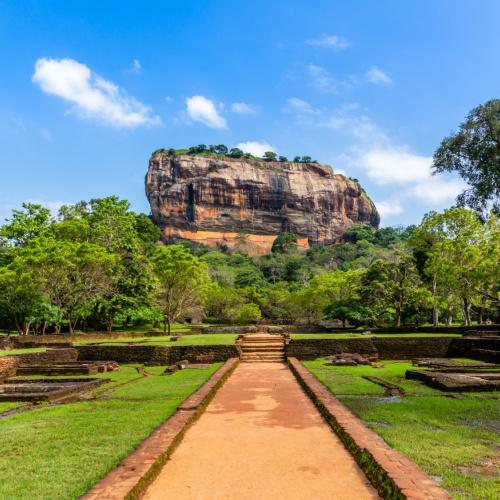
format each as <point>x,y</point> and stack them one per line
<point>474,153</point>
<point>98,265</point>
<point>222,150</point>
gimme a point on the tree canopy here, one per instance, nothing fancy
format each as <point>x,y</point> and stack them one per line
<point>474,153</point>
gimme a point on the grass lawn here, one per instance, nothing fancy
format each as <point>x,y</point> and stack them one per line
<point>359,335</point>
<point>22,351</point>
<point>61,451</point>
<point>200,339</point>
<point>9,405</point>
<point>453,440</point>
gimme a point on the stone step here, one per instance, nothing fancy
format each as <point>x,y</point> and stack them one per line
<point>263,347</point>
<point>246,357</point>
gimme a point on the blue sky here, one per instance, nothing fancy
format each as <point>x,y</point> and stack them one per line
<point>89,89</point>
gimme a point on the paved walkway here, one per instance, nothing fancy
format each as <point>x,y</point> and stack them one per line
<point>261,438</point>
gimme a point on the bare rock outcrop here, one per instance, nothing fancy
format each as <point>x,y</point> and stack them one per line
<point>240,202</point>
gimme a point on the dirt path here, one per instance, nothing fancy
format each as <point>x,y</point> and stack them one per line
<point>261,438</point>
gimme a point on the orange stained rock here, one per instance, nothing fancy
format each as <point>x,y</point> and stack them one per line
<point>261,438</point>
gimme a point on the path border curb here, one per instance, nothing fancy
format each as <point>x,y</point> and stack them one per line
<point>130,479</point>
<point>391,472</point>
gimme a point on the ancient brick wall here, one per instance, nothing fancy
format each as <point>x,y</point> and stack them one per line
<point>162,355</point>
<point>387,347</point>
<point>408,348</point>
<point>9,363</point>
<point>482,349</point>
<point>317,348</point>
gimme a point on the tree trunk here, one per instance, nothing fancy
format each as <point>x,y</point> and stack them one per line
<point>164,326</point>
<point>44,327</point>
<point>168,323</point>
<point>109,324</point>
<point>398,317</point>
<point>449,316</point>
<point>343,324</point>
<point>435,311</point>
<point>467,306</point>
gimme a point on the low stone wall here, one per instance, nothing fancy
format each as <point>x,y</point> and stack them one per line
<point>160,355</point>
<point>203,353</point>
<point>8,364</point>
<point>409,348</point>
<point>483,349</point>
<point>125,353</point>
<point>318,348</point>
<point>386,348</point>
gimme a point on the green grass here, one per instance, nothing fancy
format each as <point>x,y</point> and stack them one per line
<point>61,451</point>
<point>22,351</point>
<point>9,405</point>
<point>455,440</point>
<point>359,335</point>
<point>200,339</point>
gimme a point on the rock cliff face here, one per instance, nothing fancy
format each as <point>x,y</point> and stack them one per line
<point>248,203</point>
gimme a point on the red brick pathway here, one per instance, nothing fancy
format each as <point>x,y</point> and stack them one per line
<point>261,438</point>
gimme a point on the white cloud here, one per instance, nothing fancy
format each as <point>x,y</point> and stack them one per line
<point>46,135</point>
<point>389,165</point>
<point>200,109</point>
<point>242,108</point>
<point>388,208</point>
<point>135,67</point>
<point>329,41</point>
<point>92,96</point>
<point>255,148</point>
<point>377,76</point>
<point>437,190</point>
<point>322,80</point>
<point>294,104</point>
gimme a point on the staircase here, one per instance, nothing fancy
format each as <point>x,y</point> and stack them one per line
<point>262,348</point>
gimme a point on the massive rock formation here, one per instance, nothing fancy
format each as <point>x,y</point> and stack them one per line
<point>240,202</point>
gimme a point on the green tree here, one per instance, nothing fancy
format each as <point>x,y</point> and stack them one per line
<point>20,293</point>
<point>391,286</point>
<point>32,221</point>
<point>74,276</point>
<point>285,242</point>
<point>182,281</point>
<point>235,153</point>
<point>283,159</point>
<point>270,156</point>
<point>474,153</point>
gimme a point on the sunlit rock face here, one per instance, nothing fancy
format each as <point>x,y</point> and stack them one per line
<point>248,203</point>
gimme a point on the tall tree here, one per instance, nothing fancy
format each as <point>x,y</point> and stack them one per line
<point>182,279</point>
<point>474,153</point>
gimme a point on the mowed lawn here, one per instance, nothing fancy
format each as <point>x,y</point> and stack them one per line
<point>360,335</point>
<point>454,439</point>
<point>197,339</point>
<point>60,451</point>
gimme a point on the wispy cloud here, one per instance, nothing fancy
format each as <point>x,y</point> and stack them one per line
<point>300,106</point>
<point>256,148</point>
<point>377,76</point>
<point>92,96</point>
<point>389,163</point>
<point>135,68</point>
<point>388,208</point>
<point>329,41</point>
<point>46,135</point>
<point>323,80</point>
<point>200,109</point>
<point>242,108</point>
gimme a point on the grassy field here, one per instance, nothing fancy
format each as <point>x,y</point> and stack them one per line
<point>201,339</point>
<point>454,440</point>
<point>61,451</point>
<point>359,335</point>
<point>22,351</point>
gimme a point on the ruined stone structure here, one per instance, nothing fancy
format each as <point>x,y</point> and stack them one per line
<point>248,203</point>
